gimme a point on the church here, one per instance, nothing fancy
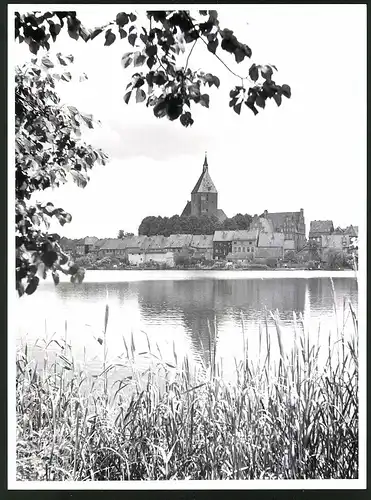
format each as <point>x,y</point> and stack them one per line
<point>204,197</point>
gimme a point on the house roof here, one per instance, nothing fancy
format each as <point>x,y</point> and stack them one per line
<point>271,240</point>
<point>338,230</point>
<point>202,241</point>
<point>351,230</point>
<point>223,235</point>
<point>204,183</point>
<point>99,243</point>
<point>111,244</point>
<point>246,235</point>
<point>153,243</point>
<point>90,240</point>
<point>321,226</point>
<point>178,240</point>
<point>278,218</point>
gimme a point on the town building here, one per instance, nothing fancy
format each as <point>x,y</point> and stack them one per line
<point>290,224</point>
<point>202,246</point>
<point>244,244</point>
<point>319,228</point>
<point>270,246</point>
<point>222,244</point>
<point>204,197</point>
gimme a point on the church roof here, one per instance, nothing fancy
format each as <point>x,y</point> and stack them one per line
<point>278,218</point>
<point>187,210</point>
<point>204,183</point>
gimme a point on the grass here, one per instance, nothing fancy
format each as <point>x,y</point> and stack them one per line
<point>290,416</point>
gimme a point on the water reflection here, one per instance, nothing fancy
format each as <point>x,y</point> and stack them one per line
<point>185,312</point>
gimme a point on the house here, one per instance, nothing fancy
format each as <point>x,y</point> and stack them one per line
<point>133,249</point>
<point>204,197</point>
<point>67,244</point>
<point>98,245</point>
<point>245,242</point>
<point>111,247</point>
<point>202,246</point>
<point>222,244</point>
<point>270,246</point>
<point>319,228</point>
<point>291,224</point>
<point>352,231</point>
<point>85,245</point>
<point>155,249</point>
<point>178,242</point>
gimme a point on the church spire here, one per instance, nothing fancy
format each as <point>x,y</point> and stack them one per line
<point>205,162</point>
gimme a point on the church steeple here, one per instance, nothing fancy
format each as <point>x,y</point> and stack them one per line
<point>205,163</point>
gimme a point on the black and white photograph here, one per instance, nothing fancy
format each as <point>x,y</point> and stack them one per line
<point>188,303</point>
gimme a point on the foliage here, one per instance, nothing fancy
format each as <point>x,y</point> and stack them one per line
<point>290,415</point>
<point>48,153</point>
<point>336,259</point>
<point>171,89</point>
<point>191,224</point>
<point>121,234</point>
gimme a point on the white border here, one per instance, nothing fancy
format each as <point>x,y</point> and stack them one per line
<point>165,485</point>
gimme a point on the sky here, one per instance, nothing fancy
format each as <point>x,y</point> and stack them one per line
<point>309,153</point>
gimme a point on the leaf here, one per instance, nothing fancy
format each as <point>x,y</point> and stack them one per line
<point>267,73</point>
<point>212,46</point>
<point>260,101</point>
<point>110,38</point>
<point>277,97</point>
<point>216,82</point>
<point>140,95</point>
<point>127,97</point>
<point>286,90</point>
<point>66,77</point>
<point>32,285</point>
<point>123,33</point>
<point>47,62</point>
<point>160,109</point>
<point>150,62</point>
<point>254,72</point>
<point>239,55</point>
<point>237,108</point>
<point>204,100</point>
<point>127,59</point>
<point>95,33</point>
<point>131,38</point>
<point>122,18</point>
<point>61,60</point>
<point>132,17</point>
<point>139,59</point>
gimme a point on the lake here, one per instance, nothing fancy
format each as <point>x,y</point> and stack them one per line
<point>179,309</point>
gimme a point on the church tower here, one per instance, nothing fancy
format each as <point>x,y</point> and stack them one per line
<point>204,196</point>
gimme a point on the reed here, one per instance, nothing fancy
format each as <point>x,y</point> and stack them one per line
<point>294,416</point>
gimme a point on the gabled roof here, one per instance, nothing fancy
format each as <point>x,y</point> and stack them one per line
<point>338,230</point>
<point>111,244</point>
<point>153,243</point>
<point>278,218</point>
<point>90,240</point>
<point>204,183</point>
<point>321,227</point>
<point>271,240</point>
<point>351,230</point>
<point>223,235</point>
<point>202,241</point>
<point>99,243</point>
<point>246,235</point>
<point>179,240</point>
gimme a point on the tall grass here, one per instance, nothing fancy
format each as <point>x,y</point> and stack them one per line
<point>289,416</point>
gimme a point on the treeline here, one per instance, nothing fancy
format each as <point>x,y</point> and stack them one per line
<point>165,226</point>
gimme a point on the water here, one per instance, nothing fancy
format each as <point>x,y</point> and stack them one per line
<point>180,308</point>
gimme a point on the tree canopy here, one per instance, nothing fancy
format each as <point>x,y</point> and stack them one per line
<point>171,89</point>
<point>165,226</point>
